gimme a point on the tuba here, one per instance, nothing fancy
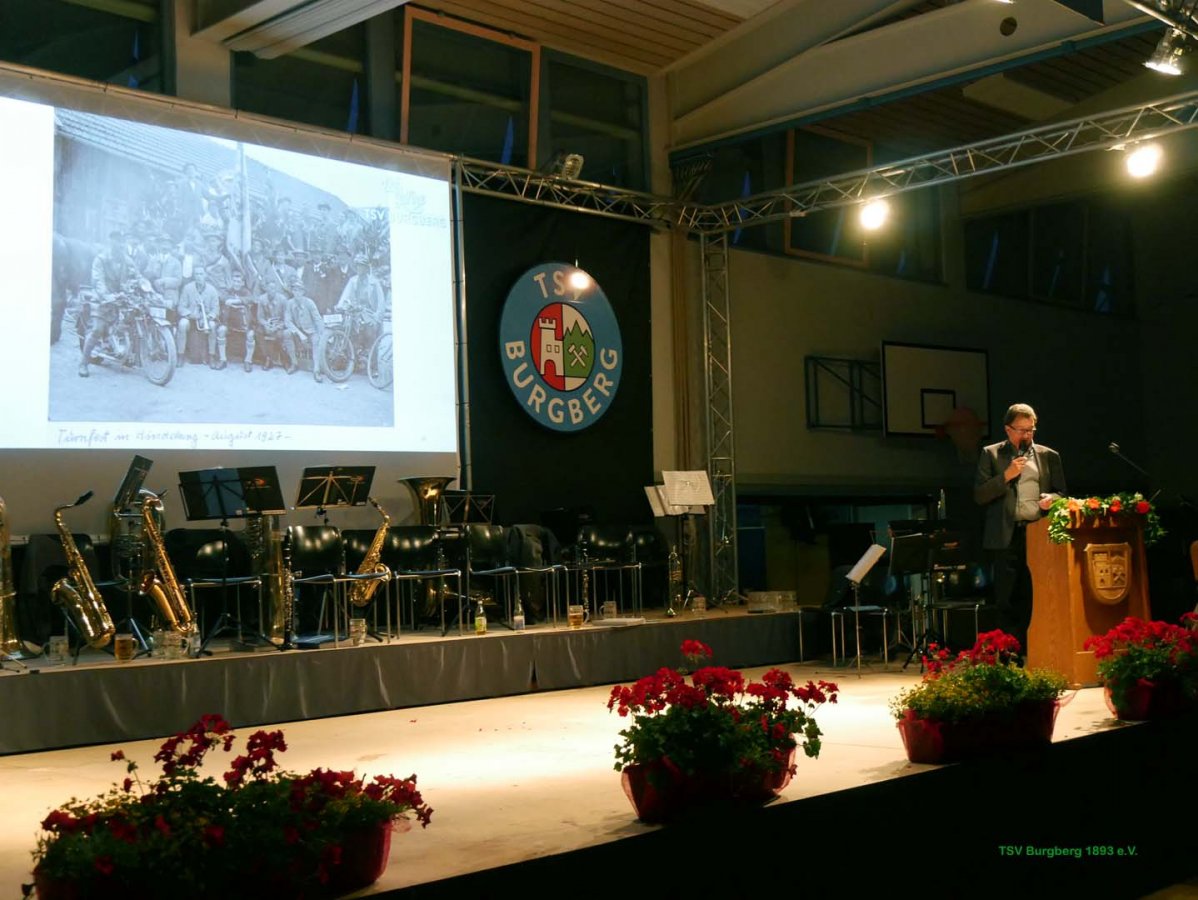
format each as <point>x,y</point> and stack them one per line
<point>10,643</point>
<point>427,493</point>
<point>159,582</point>
<point>361,592</point>
<point>76,593</point>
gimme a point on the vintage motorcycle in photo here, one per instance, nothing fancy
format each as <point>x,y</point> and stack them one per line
<point>138,335</point>
<point>345,348</point>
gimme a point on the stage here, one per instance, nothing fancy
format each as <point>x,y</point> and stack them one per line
<point>527,804</point>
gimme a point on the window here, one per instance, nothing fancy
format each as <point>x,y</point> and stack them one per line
<point>117,43</point>
<point>321,84</point>
<point>468,90</point>
<point>1075,254</point>
<point>830,233</point>
<point>599,113</point>
<point>742,170</point>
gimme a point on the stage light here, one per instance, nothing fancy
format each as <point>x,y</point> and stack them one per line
<point>1142,160</point>
<point>579,280</point>
<point>1166,58</point>
<point>874,214</point>
<point>567,165</point>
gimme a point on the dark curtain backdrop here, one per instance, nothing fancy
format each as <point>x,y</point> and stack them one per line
<point>528,467</point>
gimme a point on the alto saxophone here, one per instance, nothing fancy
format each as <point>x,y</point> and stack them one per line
<point>361,592</point>
<point>159,582</point>
<point>10,643</point>
<point>76,593</point>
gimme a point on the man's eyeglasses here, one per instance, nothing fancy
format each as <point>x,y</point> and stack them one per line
<point>1023,431</point>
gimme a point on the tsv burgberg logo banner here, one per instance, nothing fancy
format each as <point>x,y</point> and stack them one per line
<point>560,346</point>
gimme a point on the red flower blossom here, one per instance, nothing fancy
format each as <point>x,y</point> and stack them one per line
<point>1093,503</point>
<point>103,864</point>
<point>1142,507</point>
<point>118,754</point>
<point>695,650</point>
<point>214,835</point>
<point>1116,505</point>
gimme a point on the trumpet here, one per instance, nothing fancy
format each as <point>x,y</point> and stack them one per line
<point>76,592</point>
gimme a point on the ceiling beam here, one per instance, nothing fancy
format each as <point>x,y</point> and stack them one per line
<point>271,28</point>
<point>918,52</point>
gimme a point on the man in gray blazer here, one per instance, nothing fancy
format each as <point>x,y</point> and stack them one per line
<point>1016,481</point>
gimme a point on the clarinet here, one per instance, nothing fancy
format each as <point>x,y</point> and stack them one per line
<point>288,591</point>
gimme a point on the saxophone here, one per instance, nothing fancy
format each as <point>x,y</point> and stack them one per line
<point>360,592</point>
<point>76,593</point>
<point>159,582</point>
<point>10,643</point>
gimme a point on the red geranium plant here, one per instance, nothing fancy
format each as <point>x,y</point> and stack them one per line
<point>716,722</point>
<point>1137,654</point>
<point>184,835</point>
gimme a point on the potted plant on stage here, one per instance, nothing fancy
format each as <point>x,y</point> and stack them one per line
<point>715,740</point>
<point>259,829</point>
<point>1149,670</point>
<point>979,703</point>
<point>1067,513</point>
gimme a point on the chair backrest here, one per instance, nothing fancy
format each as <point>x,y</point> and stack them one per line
<point>357,544</point>
<point>648,544</point>
<point>43,564</point>
<point>532,546</point>
<point>612,543</point>
<point>1194,559</point>
<point>199,553</point>
<point>411,548</point>
<point>317,550</point>
<point>488,546</point>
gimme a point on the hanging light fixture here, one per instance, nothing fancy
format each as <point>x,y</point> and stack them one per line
<point>1142,160</point>
<point>874,214</point>
<point>1166,58</point>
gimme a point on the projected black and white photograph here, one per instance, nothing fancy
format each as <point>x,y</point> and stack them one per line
<point>203,280</point>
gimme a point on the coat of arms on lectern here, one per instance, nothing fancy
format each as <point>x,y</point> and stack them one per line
<point>1108,569</point>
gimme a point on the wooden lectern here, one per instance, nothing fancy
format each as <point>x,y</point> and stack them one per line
<point>1082,589</point>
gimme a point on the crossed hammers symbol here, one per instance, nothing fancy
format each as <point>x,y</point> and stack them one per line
<point>579,353</point>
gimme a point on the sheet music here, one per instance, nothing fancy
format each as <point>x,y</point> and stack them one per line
<point>687,489</point>
<point>865,563</point>
<point>655,502</point>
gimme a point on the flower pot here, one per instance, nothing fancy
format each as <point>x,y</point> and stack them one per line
<point>364,857</point>
<point>935,742</point>
<point>660,792</point>
<point>1146,700</point>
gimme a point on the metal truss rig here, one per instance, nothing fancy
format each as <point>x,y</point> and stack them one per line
<point>1104,131</point>
<point>1100,132</point>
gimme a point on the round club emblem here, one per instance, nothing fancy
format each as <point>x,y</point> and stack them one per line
<point>560,346</point>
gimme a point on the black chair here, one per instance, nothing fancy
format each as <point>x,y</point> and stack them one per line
<point>422,581</point>
<point>45,562</point>
<point>652,551</point>
<point>606,554</point>
<point>481,553</point>
<point>536,554</point>
<point>214,561</point>
<point>317,561</point>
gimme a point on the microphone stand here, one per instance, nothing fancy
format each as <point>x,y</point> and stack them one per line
<point>1114,448</point>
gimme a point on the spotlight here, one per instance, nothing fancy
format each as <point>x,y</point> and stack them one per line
<point>568,165</point>
<point>1142,160</point>
<point>874,214</point>
<point>578,279</point>
<point>1166,58</point>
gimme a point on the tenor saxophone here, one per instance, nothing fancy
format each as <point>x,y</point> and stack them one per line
<point>76,593</point>
<point>159,582</point>
<point>361,592</point>
<point>10,643</point>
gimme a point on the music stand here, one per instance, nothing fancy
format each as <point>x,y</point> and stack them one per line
<point>855,576</point>
<point>908,556</point>
<point>683,496</point>
<point>339,486</point>
<point>126,495</point>
<point>231,494</point>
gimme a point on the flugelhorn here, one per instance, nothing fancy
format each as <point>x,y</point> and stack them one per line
<point>76,593</point>
<point>361,592</point>
<point>10,643</point>
<point>159,582</point>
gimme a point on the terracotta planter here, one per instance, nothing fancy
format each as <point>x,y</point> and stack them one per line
<point>364,857</point>
<point>934,742</point>
<point>660,792</point>
<point>1147,700</point>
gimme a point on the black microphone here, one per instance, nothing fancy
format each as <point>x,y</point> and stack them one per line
<point>1114,448</point>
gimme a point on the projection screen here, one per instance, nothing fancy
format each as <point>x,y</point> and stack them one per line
<point>303,283</point>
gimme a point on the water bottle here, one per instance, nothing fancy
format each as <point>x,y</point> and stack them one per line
<point>518,616</point>
<point>480,619</point>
